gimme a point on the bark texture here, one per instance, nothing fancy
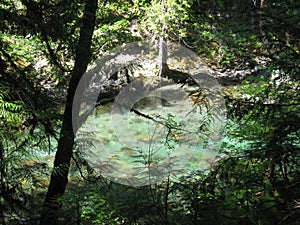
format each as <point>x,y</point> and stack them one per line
<point>59,176</point>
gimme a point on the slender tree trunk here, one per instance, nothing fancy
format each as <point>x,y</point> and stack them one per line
<point>262,21</point>
<point>162,58</point>
<point>59,176</point>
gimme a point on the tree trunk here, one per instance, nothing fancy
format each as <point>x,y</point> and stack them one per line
<point>59,176</point>
<point>162,58</point>
<point>262,21</point>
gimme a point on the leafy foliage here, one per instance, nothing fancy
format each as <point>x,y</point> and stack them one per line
<point>167,18</point>
<point>255,180</point>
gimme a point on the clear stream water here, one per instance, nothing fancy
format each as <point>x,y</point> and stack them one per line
<point>161,138</point>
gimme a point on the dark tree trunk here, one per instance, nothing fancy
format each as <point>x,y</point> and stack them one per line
<point>59,176</point>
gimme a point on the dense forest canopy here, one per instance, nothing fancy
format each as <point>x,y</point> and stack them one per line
<point>251,48</point>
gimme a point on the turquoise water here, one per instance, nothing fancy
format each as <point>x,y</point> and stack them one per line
<point>132,149</point>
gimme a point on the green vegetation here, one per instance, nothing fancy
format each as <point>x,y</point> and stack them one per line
<point>251,46</point>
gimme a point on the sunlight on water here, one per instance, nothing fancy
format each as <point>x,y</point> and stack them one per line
<point>146,144</point>
<point>155,127</point>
